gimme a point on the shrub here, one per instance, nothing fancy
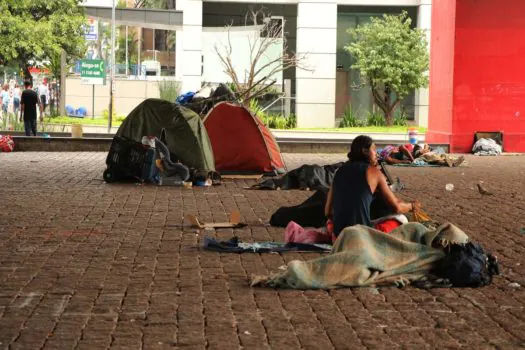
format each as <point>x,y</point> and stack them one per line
<point>351,119</point>
<point>375,119</point>
<point>232,86</point>
<point>400,118</point>
<point>10,122</point>
<point>272,121</point>
<point>256,109</point>
<point>120,118</point>
<point>169,90</point>
<point>292,121</point>
<point>105,114</point>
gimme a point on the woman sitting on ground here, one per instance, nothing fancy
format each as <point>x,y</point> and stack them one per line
<point>397,154</point>
<point>354,186</point>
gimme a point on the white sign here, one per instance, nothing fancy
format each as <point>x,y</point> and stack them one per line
<point>91,30</point>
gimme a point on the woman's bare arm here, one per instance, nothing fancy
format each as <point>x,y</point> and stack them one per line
<point>398,206</point>
<point>389,160</point>
<point>328,208</point>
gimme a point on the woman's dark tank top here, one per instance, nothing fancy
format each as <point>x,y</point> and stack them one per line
<point>351,196</point>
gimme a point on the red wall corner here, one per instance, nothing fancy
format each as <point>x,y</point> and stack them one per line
<point>440,125</point>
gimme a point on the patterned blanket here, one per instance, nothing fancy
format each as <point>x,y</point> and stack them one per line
<point>363,256</point>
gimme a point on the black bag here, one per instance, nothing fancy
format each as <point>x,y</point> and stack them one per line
<point>310,213</point>
<point>468,266</point>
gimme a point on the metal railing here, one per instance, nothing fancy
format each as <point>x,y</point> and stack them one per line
<point>285,110</point>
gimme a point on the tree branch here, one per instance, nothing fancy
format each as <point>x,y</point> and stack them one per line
<point>270,33</point>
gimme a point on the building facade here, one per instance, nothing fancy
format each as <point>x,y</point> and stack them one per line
<point>315,29</point>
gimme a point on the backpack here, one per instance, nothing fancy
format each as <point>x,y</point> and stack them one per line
<point>468,266</point>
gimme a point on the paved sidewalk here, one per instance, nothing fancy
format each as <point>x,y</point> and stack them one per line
<point>88,265</point>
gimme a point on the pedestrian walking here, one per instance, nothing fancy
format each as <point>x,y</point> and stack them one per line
<point>28,104</point>
<point>43,92</point>
<point>16,99</point>
<point>4,96</point>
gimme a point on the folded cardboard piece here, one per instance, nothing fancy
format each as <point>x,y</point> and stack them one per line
<point>242,177</point>
<point>235,221</point>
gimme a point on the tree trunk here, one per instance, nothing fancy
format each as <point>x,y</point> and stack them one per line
<point>27,74</point>
<point>389,118</point>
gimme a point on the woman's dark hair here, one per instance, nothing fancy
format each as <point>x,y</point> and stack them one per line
<point>360,145</point>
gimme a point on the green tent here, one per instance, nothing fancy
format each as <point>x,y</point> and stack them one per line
<point>185,134</point>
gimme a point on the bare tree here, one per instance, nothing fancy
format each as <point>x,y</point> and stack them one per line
<point>254,82</point>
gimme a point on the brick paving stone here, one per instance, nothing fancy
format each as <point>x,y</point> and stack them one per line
<point>88,265</point>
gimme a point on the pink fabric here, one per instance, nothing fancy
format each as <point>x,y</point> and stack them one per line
<point>297,234</point>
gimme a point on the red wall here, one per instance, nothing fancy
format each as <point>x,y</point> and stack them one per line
<point>441,72</point>
<point>488,92</point>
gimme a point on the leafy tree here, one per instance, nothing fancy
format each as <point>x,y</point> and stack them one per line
<point>392,57</point>
<point>132,47</point>
<point>38,30</point>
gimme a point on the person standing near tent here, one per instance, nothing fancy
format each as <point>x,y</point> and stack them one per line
<point>354,186</point>
<point>28,103</point>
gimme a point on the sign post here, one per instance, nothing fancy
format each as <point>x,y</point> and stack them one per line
<point>93,72</point>
<point>93,103</point>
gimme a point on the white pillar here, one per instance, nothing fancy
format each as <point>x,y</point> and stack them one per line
<point>424,19</point>
<point>189,45</point>
<point>316,38</point>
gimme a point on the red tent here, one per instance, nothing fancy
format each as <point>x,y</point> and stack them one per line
<point>241,143</point>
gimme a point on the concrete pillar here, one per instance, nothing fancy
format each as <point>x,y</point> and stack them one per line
<point>189,45</point>
<point>424,19</point>
<point>317,39</point>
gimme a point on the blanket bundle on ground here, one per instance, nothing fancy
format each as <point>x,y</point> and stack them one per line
<point>442,159</point>
<point>363,256</point>
<point>486,147</point>
<point>312,177</point>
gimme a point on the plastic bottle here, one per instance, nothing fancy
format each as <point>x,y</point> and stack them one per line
<point>412,136</point>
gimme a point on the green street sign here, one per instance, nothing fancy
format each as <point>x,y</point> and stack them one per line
<point>93,72</point>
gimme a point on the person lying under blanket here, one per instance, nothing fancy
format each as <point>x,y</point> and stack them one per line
<point>353,188</point>
<point>424,154</point>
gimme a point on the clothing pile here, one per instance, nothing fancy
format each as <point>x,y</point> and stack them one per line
<point>486,147</point>
<point>233,245</point>
<point>203,100</point>
<point>6,143</point>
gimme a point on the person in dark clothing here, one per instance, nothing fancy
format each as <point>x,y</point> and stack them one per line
<point>28,104</point>
<point>354,186</point>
